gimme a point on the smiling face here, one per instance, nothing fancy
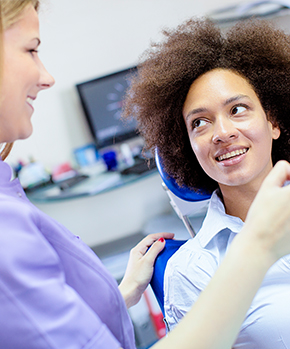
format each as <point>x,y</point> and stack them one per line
<point>228,129</point>
<point>23,77</point>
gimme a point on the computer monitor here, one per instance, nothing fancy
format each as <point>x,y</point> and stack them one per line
<point>102,100</point>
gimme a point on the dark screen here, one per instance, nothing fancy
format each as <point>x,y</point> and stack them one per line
<point>102,100</point>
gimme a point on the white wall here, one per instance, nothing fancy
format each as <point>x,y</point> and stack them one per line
<point>85,39</point>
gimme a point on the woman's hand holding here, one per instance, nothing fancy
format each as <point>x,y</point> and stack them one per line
<point>268,220</point>
<point>140,267</point>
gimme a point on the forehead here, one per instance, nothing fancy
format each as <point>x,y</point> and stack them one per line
<point>27,21</point>
<point>218,85</point>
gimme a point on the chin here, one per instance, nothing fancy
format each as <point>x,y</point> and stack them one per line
<point>234,183</point>
<point>26,134</point>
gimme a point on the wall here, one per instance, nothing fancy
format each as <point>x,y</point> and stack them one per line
<point>83,40</point>
<point>112,215</point>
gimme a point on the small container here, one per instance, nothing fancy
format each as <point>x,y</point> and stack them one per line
<point>110,158</point>
<point>86,155</point>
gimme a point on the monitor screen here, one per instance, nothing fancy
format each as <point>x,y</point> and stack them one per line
<point>102,100</point>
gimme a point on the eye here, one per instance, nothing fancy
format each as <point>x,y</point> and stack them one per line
<point>33,51</point>
<point>238,110</point>
<point>198,123</point>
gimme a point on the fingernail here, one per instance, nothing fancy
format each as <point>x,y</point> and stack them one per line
<point>161,240</point>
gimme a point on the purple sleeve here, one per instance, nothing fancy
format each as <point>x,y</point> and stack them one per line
<point>38,308</point>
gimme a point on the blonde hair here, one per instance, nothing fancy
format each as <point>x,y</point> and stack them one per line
<point>10,12</point>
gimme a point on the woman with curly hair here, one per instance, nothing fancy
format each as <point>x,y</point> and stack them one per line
<point>216,105</point>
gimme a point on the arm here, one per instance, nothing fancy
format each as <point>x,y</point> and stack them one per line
<point>216,317</point>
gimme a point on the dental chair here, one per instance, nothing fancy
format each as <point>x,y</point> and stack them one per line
<point>184,202</point>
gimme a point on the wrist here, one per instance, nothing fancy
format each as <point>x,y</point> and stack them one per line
<point>255,249</point>
<point>129,292</point>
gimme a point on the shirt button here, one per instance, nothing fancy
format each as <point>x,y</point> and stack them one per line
<point>19,194</point>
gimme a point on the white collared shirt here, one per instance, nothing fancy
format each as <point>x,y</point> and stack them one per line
<point>267,324</point>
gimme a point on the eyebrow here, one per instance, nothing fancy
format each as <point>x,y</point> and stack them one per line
<point>227,102</point>
<point>38,41</point>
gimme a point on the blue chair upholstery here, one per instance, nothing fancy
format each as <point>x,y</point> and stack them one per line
<point>184,201</point>
<point>171,246</point>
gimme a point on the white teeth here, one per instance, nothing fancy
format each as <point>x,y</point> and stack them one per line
<point>232,154</point>
<point>29,100</point>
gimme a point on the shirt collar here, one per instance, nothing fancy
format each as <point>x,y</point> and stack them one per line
<point>5,172</point>
<point>216,220</point>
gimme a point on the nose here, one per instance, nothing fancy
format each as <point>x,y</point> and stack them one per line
<point>224,130</point>
<point>45,80</point>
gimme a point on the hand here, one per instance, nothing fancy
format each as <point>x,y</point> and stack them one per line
<point>140,267</point>
<point>269,215</point>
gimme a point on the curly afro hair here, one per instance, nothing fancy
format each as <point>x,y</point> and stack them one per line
<point>254,49</point>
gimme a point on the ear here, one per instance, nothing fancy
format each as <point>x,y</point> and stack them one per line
<point>274,125</point>
<point>275,131</point>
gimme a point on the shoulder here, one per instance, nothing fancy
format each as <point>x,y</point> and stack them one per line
<point>15,209</point>
<point>187,273</point>
<point>21,238</point>
<point>191,267</point>
<point>191,258</point>
<point>189,270</point>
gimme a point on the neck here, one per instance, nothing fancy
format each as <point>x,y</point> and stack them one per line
<point>237,200</point>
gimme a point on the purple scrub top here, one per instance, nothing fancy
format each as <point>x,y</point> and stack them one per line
<point>54,291</point>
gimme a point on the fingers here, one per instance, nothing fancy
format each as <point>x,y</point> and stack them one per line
<point>156,242</point>
<point>140,266</point>
<point>144,244</point>
<point>268,219</point>
<point>155,249</point>
<point>279,174</point>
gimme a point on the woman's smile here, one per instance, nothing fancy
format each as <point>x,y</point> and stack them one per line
<point>229,155</point>
<point>30,101</point>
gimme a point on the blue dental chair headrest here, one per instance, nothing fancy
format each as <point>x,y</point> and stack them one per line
<point>184,192</point>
